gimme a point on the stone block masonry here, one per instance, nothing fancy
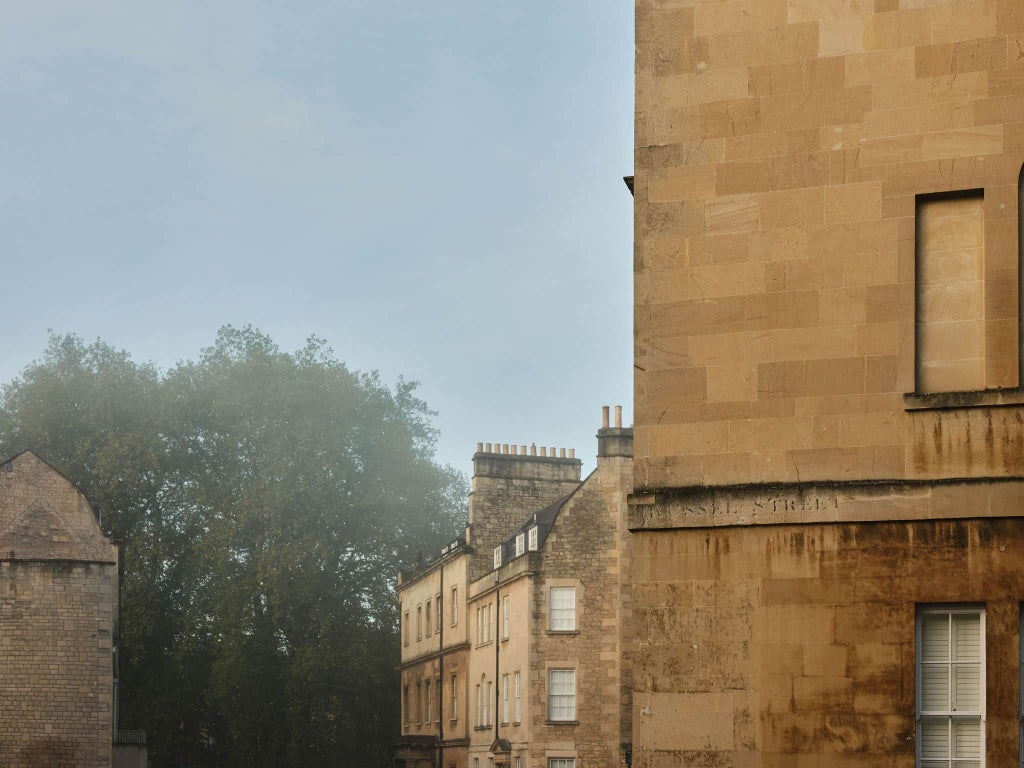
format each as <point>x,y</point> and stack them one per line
<point>58,603</point>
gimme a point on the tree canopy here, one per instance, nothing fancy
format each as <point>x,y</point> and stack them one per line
<point>264,501</point>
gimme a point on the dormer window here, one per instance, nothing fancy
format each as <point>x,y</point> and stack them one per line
<point>532,533</point>
<point>497,557</point>
<point>520,544</point>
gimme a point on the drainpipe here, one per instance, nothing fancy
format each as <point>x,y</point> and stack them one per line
<point>497,653</point>
<point>440,673</point>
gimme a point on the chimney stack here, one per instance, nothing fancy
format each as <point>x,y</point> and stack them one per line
<point>614,441</point>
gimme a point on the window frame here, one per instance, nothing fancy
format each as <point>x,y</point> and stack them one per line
<point>406,713</point>
<point>572,625</point>
<point>532,537</point>
<point>517,707</point>
<point>504,699</point>
<point>497,557</point>
<point>455,606</point>
<point>483,624</point>
<point>505,611</point>
<point>455,697</point>
<point>520,544</point>
<point>554,699</point>
<point>952,714</point>
<point>428,624</point>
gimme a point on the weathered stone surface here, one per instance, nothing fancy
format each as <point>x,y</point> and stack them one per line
<point>58,599</point>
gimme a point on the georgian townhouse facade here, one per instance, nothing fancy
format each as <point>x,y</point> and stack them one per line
<point>536,662</point>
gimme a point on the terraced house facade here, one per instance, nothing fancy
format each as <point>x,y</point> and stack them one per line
<point>515,637</point>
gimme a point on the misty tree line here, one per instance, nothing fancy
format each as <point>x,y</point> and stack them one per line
<point>264,501</point>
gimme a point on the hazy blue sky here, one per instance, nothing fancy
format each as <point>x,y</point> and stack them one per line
<point>434,187</point>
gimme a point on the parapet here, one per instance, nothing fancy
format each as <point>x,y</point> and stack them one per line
<point>519,462</point>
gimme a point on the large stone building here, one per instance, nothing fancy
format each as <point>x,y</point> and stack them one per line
<point>829,542</point>
<point>515,637</point>
<point>58,606</point>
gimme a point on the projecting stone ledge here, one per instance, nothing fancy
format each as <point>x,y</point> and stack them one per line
<point>823,502</point>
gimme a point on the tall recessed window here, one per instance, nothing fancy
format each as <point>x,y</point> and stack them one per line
<point>455,606</point>
<point>428,618</point>
<point>504,616</point>
<point>517,710</point>
<point>504,698</point>
<point>455,696</point>
<point>951,687</point>
<point>419,622</point>
<point>531,536</point>
<point>562,609</point>
<point>561,694</point>
<point>483,624</point>
<point>951,300</point>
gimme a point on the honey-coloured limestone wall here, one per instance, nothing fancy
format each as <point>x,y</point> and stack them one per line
<point>782,147</point>
<point>58,602</point>
<point>56,691</point>
<point>590,549</point>
<point>794,645</point>
<point>507,488</point>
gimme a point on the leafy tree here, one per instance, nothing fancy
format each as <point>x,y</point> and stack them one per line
<point>265,501</point>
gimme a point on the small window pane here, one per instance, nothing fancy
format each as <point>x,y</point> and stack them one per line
<point>966,637</point>
<point>934,688</point>
<point>967,739</point>
<point>935,637</point>
<point>934,738</point>
<point>967,687</point>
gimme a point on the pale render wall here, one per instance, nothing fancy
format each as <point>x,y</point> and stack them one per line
<point>515,657</point>
<point>780,148</point>
<point>481,670</point>
<point>414,593</point>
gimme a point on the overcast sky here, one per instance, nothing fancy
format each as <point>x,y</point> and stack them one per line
<point>434,187</point>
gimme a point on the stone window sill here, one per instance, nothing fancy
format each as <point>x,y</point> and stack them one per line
<point>561,722</point>
<point>563,631</point>
<point>978,398</point>
<point>482,727</point>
